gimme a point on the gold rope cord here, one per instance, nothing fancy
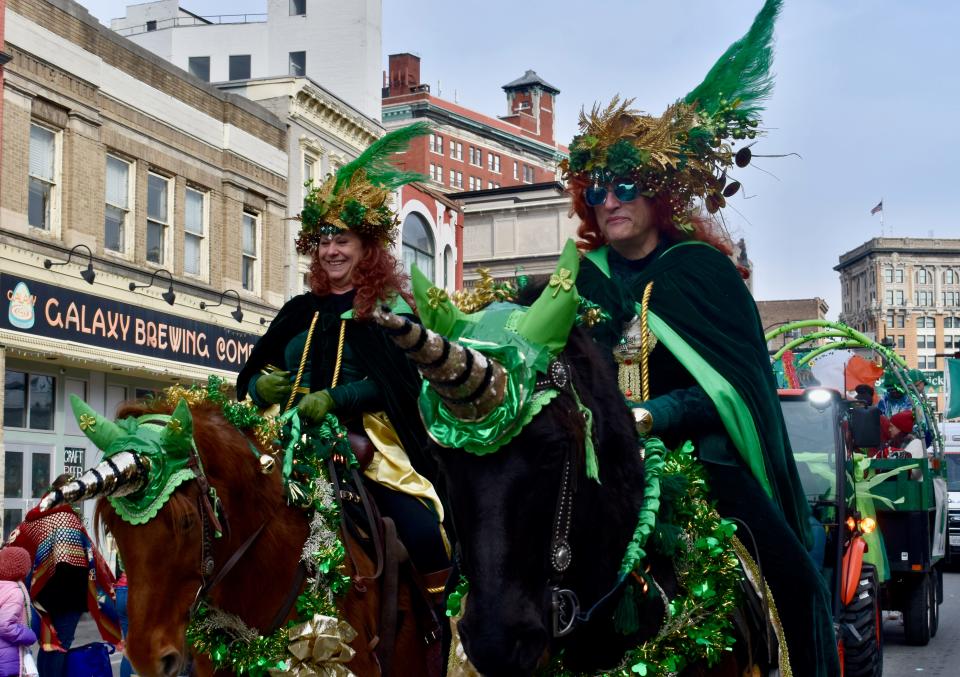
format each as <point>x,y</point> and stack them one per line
<point>336,368</point>
<point>645,343</point>
<point>303,362</point>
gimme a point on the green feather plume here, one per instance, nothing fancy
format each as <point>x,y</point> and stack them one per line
<point>375,160</point>
<point>743,72</point>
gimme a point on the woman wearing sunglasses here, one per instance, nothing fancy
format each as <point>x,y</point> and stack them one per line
<point>646,190</point>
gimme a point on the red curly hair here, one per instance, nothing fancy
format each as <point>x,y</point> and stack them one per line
<point>376,277</point>
<point>591,237</point>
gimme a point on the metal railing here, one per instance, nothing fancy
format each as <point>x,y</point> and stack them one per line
<point>176,22</point>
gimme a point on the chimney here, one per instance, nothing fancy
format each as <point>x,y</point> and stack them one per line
<point>404,74</point>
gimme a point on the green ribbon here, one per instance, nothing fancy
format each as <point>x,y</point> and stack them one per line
<point>654,452</point>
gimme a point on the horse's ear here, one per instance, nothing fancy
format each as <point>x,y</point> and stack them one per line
<point>101,431</point>
<point>178,433</point>
<point>551,317</point>
<point>434,307</point>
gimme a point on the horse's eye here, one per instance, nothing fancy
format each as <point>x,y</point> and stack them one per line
<point>187,521</point>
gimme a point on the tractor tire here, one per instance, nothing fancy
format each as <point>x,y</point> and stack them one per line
<point>937,582</point>
<point>863,655</point>
<point>918,611</point>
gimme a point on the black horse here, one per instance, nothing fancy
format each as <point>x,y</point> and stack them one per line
<point>540,542</point>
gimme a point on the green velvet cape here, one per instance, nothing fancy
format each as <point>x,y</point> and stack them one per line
<point>385,363</point>
<point>702,312</point>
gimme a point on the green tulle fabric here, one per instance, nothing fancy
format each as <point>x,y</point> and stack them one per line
<point>520,404</point>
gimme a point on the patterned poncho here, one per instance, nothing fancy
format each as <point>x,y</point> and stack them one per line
<point>58,537</point>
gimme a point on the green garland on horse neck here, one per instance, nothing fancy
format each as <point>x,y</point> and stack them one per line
<point>230,644</point>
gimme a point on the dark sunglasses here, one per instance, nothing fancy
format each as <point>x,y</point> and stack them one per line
<point>624,191</point>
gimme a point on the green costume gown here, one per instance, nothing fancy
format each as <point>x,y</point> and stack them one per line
<point>710,381</point>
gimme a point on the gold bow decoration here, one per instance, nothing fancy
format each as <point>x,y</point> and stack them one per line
<point>562,279</point>
<point>436,297</point>
<point>320,648</point>
<point>88,422</point>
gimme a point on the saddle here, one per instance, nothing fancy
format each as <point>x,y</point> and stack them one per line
<point>364,526</point>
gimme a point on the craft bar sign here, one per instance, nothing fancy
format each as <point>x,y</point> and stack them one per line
<point>42,309</point>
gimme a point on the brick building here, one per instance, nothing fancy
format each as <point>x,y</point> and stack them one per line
<point>469,151</point>
<point>780,312</point>
<point>907,291</point>
<point>120,169</point>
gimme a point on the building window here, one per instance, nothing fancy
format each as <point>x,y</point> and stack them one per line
<point>949,277</point>
<point>456,150</point>
<point>516,171</point>
<point>44,193</point>
<point>418,245</point>
<point>194,232</point>
<point>899,297</point>
<point>298,64</point>
<point>28,400</point>
<point>950,299</point>
<point>926,341</point>
<point>459,179</point>
<point>901,341</point>
<point>298,7</point>
<point>888,297</point>
<point>898,275</point>
<point>899,320</point>
<point>924,276</point>
<point>200,67</point>
<point>159,209</point>
<point>479,158</point>
<point>239,66</point>
<point>926,323</point>
<point>436,144</point>
<point>888,274</point>
<point>472,185</point>
<point>117,210</point>
<point>527,174</point>
<point>251,236</point>
<point>473,155</point>
<point>310,165</point>
<point>453,178</point>
<point>923,298</point>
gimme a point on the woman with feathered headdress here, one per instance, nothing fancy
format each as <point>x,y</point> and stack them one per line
<point>323,355</point>
<point>685,331</point>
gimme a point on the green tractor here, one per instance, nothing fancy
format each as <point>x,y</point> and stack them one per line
<point>880,522</point>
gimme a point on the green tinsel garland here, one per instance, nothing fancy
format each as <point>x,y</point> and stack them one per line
<point>232,645</point>
<point>699,625</point>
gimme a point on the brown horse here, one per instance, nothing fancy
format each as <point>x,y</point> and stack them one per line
<point>165,557</point>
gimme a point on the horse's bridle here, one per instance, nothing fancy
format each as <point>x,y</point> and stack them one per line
<point>213,524</point>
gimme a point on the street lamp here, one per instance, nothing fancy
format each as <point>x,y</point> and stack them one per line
<point>236,314</point>
<point>168,295</point>
<point>87,274</point>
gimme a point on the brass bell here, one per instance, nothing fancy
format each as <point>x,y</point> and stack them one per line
<point>267,464</point>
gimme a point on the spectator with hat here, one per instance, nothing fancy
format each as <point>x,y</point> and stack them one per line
<point>902,439</point>
<point>15,632</point>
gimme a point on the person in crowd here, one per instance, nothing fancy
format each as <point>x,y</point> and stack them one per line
<point>662,270</point>
<point>69,577</point>
<point>324,355</point>
<point>16,636</point>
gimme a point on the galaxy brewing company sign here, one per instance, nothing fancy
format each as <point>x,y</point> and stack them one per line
<point>42,309</point>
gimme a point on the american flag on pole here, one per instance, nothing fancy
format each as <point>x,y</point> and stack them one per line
<point>878,208</point>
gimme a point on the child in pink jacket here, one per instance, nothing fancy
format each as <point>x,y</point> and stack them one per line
<point>15,631</point>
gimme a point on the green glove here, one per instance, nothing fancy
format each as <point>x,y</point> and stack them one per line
<point>274,388</point>
<point>314,406</point>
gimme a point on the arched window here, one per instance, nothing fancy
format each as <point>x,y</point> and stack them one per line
<point>448,268</point>
<point>418,244</point>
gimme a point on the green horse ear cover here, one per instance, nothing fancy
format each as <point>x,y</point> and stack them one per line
<point>551,317</point>
<point>178,434</point>
<point>98,429</point>
<point>434,307</point>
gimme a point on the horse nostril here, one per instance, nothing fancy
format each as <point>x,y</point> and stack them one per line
<point>170,663</point>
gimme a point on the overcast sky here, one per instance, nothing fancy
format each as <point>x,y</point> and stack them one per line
<point>866,92</point>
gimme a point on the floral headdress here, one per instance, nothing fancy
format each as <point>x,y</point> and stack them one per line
<point>684,153</point>
<point>357,197</point>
